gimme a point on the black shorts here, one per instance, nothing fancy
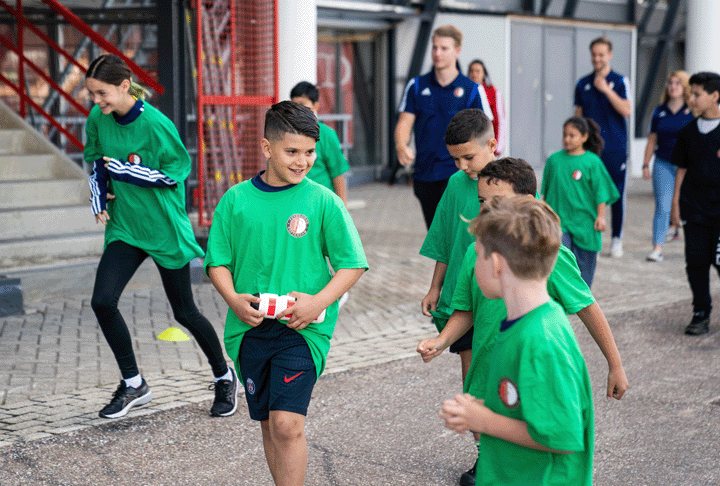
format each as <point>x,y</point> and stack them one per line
<point>464,343</point>
<point>277,369</point>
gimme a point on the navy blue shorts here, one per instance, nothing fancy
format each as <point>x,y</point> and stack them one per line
<point>464,343</point>
<point>277,369</point>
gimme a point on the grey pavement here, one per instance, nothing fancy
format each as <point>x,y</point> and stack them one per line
<point>373,418</point>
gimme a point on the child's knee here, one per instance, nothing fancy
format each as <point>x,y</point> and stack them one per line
<point>286,426</point>
<point>103,304</point>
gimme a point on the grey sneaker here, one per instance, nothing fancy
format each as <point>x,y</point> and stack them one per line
<point>125,398</point>
<point>226,392</point>
<point>616,249</point>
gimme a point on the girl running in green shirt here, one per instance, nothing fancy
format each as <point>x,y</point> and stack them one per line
<point>138,156</point>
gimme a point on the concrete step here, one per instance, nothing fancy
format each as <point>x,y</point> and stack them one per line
<point>14,252</point>
<point>43,193</point>
<point>26,167</point>
<point>12,141</point>
<point>45,221</point>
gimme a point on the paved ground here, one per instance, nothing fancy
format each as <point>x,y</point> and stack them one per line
<point>373,419</point>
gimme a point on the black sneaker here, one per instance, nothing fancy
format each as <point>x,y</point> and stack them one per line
<point>468,478</point>
<point>226,392</point>
<point>125,398</point>
<point>699,324</point>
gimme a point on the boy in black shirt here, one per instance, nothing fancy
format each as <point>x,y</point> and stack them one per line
<point>697,193</point>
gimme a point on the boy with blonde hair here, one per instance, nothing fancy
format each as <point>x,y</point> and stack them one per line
<point>536,415</point>
<point>509,177</point>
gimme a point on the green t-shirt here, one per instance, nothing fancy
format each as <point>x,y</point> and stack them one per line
<point>276,242</point>
<point>448,237</point>
<point>330,161</point>
<point>565,286</point>
<point>538,375</point>
<point>152,219</point>
<point>574,185</point>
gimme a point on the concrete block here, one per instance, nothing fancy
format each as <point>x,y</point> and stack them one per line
<point>11,299</point>
<point>197,273</point>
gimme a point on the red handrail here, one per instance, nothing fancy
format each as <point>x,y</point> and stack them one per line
<point>42,74</point>
<point>25,98</point>
<point>26,23</point>
<point>102,42</point>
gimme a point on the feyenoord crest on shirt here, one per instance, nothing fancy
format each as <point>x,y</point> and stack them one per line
<point>297,225</point>
<point>134,158</point>
<point>508,393</point>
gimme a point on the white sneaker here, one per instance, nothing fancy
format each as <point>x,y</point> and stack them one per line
<point>655,256</point>
<point>616,250</point>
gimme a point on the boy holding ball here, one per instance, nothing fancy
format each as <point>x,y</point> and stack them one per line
<point>272,234</point>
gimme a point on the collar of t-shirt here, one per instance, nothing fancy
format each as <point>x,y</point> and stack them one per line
<point>507,324</point>
<point>131,115</point>
<point>706,126</point>
<point>681,111</point>
<point>265,187</point>
<point>449,85</point>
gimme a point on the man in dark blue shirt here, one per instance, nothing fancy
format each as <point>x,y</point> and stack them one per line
<point>428,104</point>
<point>604,96</point>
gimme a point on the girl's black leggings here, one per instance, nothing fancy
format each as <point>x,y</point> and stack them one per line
<point>117,266</point>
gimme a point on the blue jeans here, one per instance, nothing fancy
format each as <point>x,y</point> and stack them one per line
<point>586,260</point>
<point>663,178</point>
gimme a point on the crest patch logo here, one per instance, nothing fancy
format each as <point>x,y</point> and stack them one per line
<point>297,225</point>
<point>508,393</point>
<point>134,158</point>
<point>577,175</point>
<point>459,91</point>
<point>250,386</point>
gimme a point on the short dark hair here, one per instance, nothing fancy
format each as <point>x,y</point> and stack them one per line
<point>601,40</point>
<point>305,88</point>
<point>468,124</point>
<point>289,117</point>
<point>516,172</point>
<point>709,81</point>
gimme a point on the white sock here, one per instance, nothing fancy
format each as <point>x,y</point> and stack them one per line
<point>134,382</point>
<point>227,376</point>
